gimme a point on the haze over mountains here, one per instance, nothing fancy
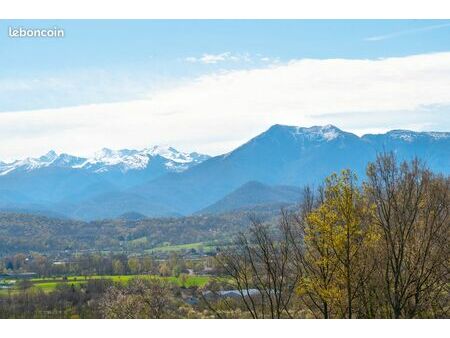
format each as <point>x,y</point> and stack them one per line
<point>159,181</point>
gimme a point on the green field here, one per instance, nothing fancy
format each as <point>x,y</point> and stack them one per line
<point>205,246</point>
<point>138,241</point>
<point>49,284</point>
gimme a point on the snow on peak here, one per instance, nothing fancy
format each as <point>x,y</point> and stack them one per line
<point>29,163</point>
<point>174,155</point>
<point>410,136</point>
<point>404,135</point>
<point>49,157</point>
<point>128,159</point>
<point>438,135</point>
<point>139,159</point>
<point>327,133</point>
<point>106,159</point>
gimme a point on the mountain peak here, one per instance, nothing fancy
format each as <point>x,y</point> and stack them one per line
<point>126,159</point>
<point>107,159</point>
<point>409,136</point>
<point>51,155</point>
<point>43,161</point>
<point>328,132</point>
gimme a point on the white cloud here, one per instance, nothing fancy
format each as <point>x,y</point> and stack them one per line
<point>73,87</point>
<point>217,112</point>
<point>217,58</point>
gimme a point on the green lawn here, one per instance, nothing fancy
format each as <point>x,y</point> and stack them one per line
<point>49,284</point>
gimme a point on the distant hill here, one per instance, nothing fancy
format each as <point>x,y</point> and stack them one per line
<point>20,232</point>
<point>164,182</point>
<point>255,194</point>
<point>132,216</point>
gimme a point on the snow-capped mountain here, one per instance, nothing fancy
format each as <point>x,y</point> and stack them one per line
<point>292,156</point>
<point>410,136</point>
<point>109,160</point>
<point>161,181</point>
<point>125,159</point>
<point>318,133</point>
<point>28,164</point>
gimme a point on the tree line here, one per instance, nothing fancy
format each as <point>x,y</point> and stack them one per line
<point>98,264</point>
<point>140,298</point>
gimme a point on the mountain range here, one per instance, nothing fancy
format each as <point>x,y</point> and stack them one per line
<point>161,181</point>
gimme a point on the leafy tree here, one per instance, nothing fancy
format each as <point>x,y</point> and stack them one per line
<point>118,267</point>
<point>344,218</point>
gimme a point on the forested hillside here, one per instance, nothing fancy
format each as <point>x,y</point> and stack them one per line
<point>27,233</point>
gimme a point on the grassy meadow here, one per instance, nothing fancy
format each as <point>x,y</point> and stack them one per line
<point>49,284</point>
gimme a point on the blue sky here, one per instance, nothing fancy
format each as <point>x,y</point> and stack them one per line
<point>152,53</point>
<point>103,61</point>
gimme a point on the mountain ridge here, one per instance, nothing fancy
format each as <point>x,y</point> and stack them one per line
<point>280,156</point>
<point>287,155</point>
<point>106,159</point>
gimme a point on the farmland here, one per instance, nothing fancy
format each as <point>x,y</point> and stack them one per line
<point>49,284</point>
<point>204,246</point>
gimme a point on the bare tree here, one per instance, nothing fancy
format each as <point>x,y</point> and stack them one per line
<point>412,211</point>
<point>156,294</point>
<point>141,298</point>
<point>260,266</point>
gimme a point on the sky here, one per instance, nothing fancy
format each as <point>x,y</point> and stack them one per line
<point>209,86</point>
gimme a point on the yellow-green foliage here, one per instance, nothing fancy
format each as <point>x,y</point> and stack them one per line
<point>337,232</point>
